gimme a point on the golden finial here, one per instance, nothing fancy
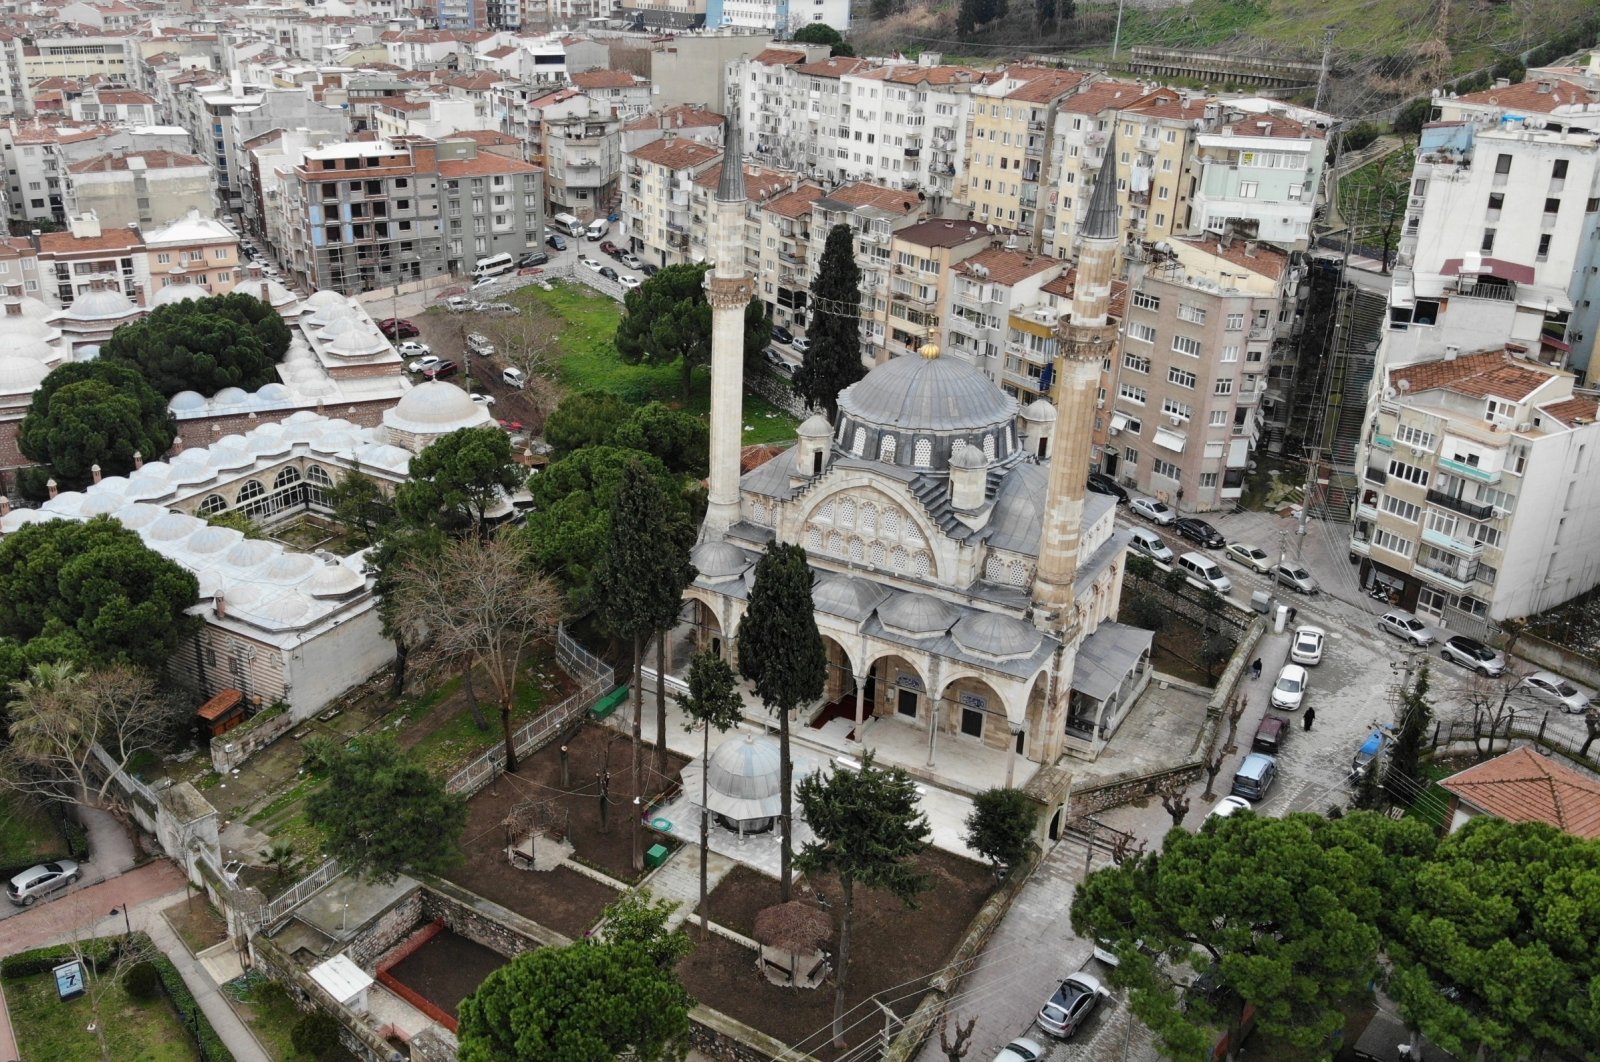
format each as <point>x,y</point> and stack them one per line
<point>929,351</point>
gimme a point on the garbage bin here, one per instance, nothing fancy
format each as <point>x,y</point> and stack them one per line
<point>1281,620</point>
<point>1261,601</point>
<point>655,855</point>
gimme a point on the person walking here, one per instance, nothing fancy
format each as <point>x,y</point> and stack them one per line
<point>1292,614</point>
<point>1310,716</point>
<point>1255,669</point>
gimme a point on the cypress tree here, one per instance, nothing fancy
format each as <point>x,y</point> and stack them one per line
<point>834,360</point>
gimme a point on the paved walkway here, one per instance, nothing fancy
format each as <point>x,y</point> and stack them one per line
<point>110,854</point>
<point>86,912</point>
<point>678,879</point>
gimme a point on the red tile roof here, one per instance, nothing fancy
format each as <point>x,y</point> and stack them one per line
<point>938,232</point>
<point>64,243</point>
<point>1044,84</point>
<point>683,116</point>
<point>1007,267</point>
<point>760,183</point>
<point>607,79</point>
<point>779,57</point>
<point>484,164</point>
<point>795,204</point>
<point>676,153</point>
<point>153,160</point>
<point>867,194</point>
<point>1100,95</point>
<point>1542,95</point>
<point>1476,375</point>
<point>837,66</point>
<point>1573,412</point>
<point>1523,786</point>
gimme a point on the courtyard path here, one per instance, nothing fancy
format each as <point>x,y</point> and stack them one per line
<point>678,879</point>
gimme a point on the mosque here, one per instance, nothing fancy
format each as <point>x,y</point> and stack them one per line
<point>965,580</point>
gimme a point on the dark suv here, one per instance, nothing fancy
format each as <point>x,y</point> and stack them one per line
<point>1200,531</point>
<point>1100,483</point>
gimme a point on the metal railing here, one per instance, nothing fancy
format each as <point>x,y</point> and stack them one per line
<point>277,908</point>
<point>531,737</point>
<point>577,660</point>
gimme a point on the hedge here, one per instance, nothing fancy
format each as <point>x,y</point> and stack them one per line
<point>102,949</point>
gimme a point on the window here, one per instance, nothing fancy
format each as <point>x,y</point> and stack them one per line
<point>1142,332</point>
<point>1146,302</point>
<point>1192,314</point>
<point>1130,456</point>
<point>1247,189</point>
<point>1186,345</point>
<point>1219,418</point>
<point>1502,164</point>
<point>1543,254</point>
<point>163,259</point>
<point>1223,387</point>
<point>1174,408</point>
<point>1403,509</point>
<point>1208,479</point>
<point>922,454</point>
<point>1181,377</point>
<point>1166,468</point>
<point>1392,542</point>
<point>1131,393</point>
<point>1558,170</point>
<point>1136,363</point>
<point>1497,200</point>
<point>219,252</point>
<point>1410,436</point>
<point>1235,322</point>
<point>1552,206</point>
<point>1408,473</point>
<point>1231,353</point>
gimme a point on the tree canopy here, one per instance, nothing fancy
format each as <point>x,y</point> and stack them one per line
<point>668,320</point>
<point>94,594</point>
<point>458,479</point>
<point>585,418</point>
<point>1282,914</point>
<point>203,345</point>
<point>89,413</point>
<point>822,33</point>
<point>680,440</point>
<point>833,361</point>
<point>381,812</point>
<point>1002,825</point>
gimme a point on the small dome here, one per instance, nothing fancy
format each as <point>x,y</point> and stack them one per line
<point>274,392</point>
<point>230,455</point>
<point>176,293</point>
<point>435,407</point>
<point>20,375</point>
<point>816,426</point>
<point>187,402</point>
<point>66,503</point>
<point>285,610</point>
<point>918,614</point>
<point>967,456</point>
<point>382,455</point>
<point>189,473</point>
<point>358,343</point>
<point>212,540</point>
<point>334,580</point>
<point>17,519</point>
<point>927,394</point>
<point>17,329</point>
<point>231,396</point>
<point>842,595</point>
<point>334,441</point>
<point>718,560</point>
<point>746,767</point>
<point>995,635</point>
<point>36,349</point>
<point>252,552</point>
<point>100,503</point>
<point>317,300</point>
<point>138,515</point>
<point>32,307</point>
<point>289,568</point>
<point>331,318</point>
<point>175,527</point>
<point>1039,411</point>
<point>103,305</point>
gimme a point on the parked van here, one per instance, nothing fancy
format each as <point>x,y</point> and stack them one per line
<point>494,266</point>
<point>513,377</point>
<point>479,345</point>
<point>1270,734</point>
<point>568,224</point>
<point>1255,776</point>
<point>1149,543</point>
<point>1204,572</point>
<point>598,229</point>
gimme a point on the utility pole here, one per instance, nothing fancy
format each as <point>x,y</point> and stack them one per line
<point>1116,37</point>
<point>1327,62</point>
<point>1313,455</point>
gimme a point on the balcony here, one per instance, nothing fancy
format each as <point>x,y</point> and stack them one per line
<point>1375,475</point>
<point>913,153</point>
<point>1457,577</point>
<point>1383,442</point>
<point>1151,144</point>
<point>1470,550</point>
<point>1460,505</point>
<point>1473,472</point>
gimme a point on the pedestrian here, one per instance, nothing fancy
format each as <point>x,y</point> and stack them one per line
<point>1255,669</point>
<point>1292,614</point>
<point>1311,714</point>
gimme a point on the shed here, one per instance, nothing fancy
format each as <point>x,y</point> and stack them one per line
<point>223,712</point>
<point>346,982</point>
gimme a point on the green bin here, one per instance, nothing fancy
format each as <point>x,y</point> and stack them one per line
<point>655,855</point>
<point>609,703</point>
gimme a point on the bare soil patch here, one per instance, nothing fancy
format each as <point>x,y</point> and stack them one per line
<point>447,969</point>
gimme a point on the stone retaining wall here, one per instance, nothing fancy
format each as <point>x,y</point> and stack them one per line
<point>234,747</point>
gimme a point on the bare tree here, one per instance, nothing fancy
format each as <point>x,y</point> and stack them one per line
<point>1491,705</point>
<point>60,715</point>
<point>483,599</point>
<point>1213,768</point>
<point>1175,802</point>
<point>955,1049</point>
<point>1235,713</point>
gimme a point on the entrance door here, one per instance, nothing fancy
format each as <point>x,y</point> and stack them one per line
<point>1108,461</point>
<point>971,722</point>
<point>907,703</point>
<point>1430,604</point>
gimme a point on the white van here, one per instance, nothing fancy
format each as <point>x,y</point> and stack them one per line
<point>494,266</point>
<point>480,345</point>
<point>598,229</point>
<point>1204,573</point>
<point>513,377</point>
<point>568,224</point>
<point>1150,544</point>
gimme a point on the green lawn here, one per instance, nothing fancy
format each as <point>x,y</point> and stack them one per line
<point>28,834</point>
<point>49,1030</point>
<point>590,362</point>
<point>264,1006</point>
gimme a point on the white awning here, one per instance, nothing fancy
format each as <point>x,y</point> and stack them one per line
<point>1119,420</point>
<point>1171,440</point>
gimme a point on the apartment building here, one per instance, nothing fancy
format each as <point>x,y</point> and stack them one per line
<point>146,187</point>
<point>1080,125</point>
<point>923,258</point>
<point>360,216</point>
<point>118,106</point>
<point>762,90</point>
<point>1008,147</point>
<point>579,142</point>
<point>780,17</point>
<point>196,252</point>
<point>760,185</point>
<point>1258,174</point>
<point>1479,499</point>
<point>1499,244</point>
<point>876,213</point>
<point>786,240</point>
<point>626,94</point>
<point>79,56</point>
<point>86,257</point>
<point>464,14</point>
<point>1184,395</point>
<point>427,116</point>
<point>1563,100</point>
<point>917,113</point>
<point>656,216</point>
<point>695,123</point>
<point>997,293</point>
<point>38,156</point>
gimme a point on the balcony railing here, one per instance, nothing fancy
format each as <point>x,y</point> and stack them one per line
<point>1460,468</point>
<point>1457,577</point>
<point>1375,475</point>
<point>1470,550</point>
<point>1461,505</point>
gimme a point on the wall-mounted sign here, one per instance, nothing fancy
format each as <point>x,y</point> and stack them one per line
<point>69,980</point>
<point>910,682</point>
<point>973,700</point>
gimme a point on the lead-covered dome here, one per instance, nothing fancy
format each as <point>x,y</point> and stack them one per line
<point>435,406</point>
<point>911,411</point>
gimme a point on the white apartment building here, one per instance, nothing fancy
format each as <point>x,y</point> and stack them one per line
<point>656,218</point>
<point>993,293</point>
<point>1499,244</point>
<point>781,17</point>
<point>876,213</point>
<point>1258,174</point>
<point>917,116</point>
<point>1479,499</point>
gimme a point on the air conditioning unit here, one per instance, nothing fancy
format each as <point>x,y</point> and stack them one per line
<point>1526,425</point>
<point>1174,419</point>
<point>1417,451</point>
<point>1115,431</point>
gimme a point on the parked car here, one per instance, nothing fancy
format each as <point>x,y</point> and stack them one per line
<point>1254,778</point>
<point>424,363</point>
<point>1022,1050</point>
<point>590,263</point>
<point>629,281</point>
<point>1151,545</point>
<point>26,888</point>
<point>1471,653</point>
<point>513,377</point>
<point>1100,483</point>
<point>459,304</point>
<point>609,273</point>
<point>480,345</point>
<point>533,258</point>
<point>486,282</point>
<point>782,335</point>
<point>1290,689</point>
<point>801,345</point>
<point>649,270</point>
<point>1251,557</point>
<point>1228,805</point>
<point>776,360</point>
<point>631,260</point>
<point>1294,576</point>
<point>1200,531</point>
<point>1308,643</point>
<point>1406,626</point>
<point>442,370</point>
<point>1551,687</point>
<point>609,248</point>
<point>1270,734</point>
<point>398,328</point>
<point>1071,1004</point>
<point>1151,509</point>
<point>498,309</point>
<point>555,243</point>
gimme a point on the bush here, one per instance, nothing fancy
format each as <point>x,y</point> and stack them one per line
<point>316,1034</point>
<point>206,1040</point>
<point>142,981</point>
<point>43,960</point>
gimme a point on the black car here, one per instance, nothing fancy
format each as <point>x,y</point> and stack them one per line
<point>1100,483</point>
<point>533,258</point>
<point>649,270</point>
<point>555,243</point>
<point>608,272</point>
<point>782,335</point>
<point>1199,531</point>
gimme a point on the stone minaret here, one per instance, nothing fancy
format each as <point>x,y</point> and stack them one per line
<point>1083,340</point>
<point>728,289</point>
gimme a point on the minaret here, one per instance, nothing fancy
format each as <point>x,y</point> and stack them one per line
<point>1083,341</point>
<point>728,290</point>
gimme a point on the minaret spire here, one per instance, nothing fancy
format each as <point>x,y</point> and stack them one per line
<point>728,290</point>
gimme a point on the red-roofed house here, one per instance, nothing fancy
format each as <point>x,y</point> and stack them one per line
<point>1524,786</point>
<point>657,218</point>
<point>626,94</point>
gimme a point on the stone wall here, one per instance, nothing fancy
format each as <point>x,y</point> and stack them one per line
<point>234,747</point>
<point>308,996</point>
<point>719,1037</point>
<point>386,930</point>
<point>484,922</point>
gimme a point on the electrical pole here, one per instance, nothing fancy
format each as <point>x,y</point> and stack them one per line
<point>1312,460</point>
<point>1116,37</point>
<point>1327,61</point>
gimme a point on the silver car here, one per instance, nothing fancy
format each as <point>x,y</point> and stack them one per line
<point>1473,654</point>
<point>1296,577</point>
<point>1551,687</point>
<point>1405,625</point>
<point>25,888</point>
<point>1071,1004</point>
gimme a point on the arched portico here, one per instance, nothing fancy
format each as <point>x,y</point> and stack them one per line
<point>897,688</point>
<point>711,618</point>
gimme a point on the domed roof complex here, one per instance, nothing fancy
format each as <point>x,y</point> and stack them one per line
<point>103,304</point>
<point>430,410</point>
<point>20,375</point>
<point>743,781</point>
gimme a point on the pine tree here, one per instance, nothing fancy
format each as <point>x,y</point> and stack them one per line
<point>833,361</point>
<point>1044,13</point>
<point>714,703</point>
<point>781,651</point>
<point>1402,776</point>
<point>639,586</point>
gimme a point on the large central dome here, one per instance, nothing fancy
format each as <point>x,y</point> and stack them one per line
<point>928,394</point>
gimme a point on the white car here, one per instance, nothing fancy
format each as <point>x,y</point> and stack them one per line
<point>459,304</point>
<point>1551,687</point>
<point>1405,625</point>
<point>1151,509</point>
<point>425,364</point>
<point>590,263</point>
<point>629,281</point>
<point>1020,1050</point>
<point>1228,805</point>
<point>801,345</point>
<point>483,400</point>
<point>1252,557</point>
<point>411,348</point>
<point>1290,689</point>
<point>486,282</point>
<point>1308,642</point>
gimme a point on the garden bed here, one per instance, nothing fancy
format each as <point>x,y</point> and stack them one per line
<point>197,923</point>
<point>446,969</point>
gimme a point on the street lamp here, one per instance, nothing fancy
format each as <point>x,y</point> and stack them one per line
<point>123,910</point>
